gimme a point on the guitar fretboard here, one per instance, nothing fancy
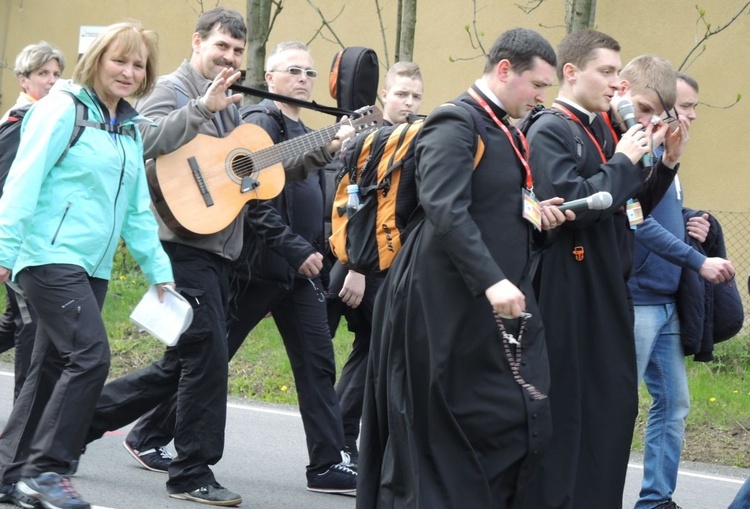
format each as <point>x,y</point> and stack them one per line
<point>291,148</point>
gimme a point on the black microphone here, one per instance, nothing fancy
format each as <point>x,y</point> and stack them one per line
<point>627,112</point>
<point>597,201</point>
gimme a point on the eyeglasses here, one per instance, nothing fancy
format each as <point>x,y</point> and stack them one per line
<point>298,71</point>
<point>669,118</point>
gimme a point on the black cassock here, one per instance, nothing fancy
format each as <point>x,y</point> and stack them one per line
<point>445,425</point>
<point>587,314</point>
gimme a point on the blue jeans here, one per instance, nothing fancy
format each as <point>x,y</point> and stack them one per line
<point>742,500</point>
<point>661,364</point>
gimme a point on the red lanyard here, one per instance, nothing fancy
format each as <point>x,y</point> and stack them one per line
<point>576,119</point>
<point>524,162</point>
<point>611,127</point>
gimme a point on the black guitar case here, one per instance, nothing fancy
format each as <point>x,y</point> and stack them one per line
<point>353,82</point>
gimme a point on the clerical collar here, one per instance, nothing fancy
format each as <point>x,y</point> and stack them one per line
<point>482,86</point>
<point>581,109</point>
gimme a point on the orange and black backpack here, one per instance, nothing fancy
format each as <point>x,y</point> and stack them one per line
<point>383,165</point>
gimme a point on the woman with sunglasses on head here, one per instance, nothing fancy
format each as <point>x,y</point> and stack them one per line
<point>61,216</point>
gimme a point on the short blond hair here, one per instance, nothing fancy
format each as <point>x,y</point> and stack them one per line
<point>648,72</point>
<point>126,37</point>
<point>405,69</point>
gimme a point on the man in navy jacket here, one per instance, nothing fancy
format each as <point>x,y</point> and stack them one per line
<point>661,253</point>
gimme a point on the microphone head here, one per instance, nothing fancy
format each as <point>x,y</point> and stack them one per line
<point>601,200</point>
<point>627,112</point>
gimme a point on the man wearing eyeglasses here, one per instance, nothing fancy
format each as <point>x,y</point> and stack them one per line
<point>582,277</point>
<point>283,252</point>
<point>661,253</point>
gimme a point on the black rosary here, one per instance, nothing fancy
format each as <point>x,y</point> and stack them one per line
<point>515,361</point>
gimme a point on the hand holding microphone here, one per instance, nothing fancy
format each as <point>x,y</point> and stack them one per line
<point>597,201</point>
<point>635,134</point>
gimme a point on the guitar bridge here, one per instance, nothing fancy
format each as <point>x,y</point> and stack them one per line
<point>248,184</point>
<point>198,176</point>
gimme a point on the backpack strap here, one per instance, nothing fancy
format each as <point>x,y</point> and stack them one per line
<point>81,121</point>
<point>180,92</point>
<point>479,126</point>
<point>275,113</point>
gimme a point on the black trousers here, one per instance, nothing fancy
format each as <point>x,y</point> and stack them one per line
<point>300,315</point>
<point>70,361</point>
<point>195,369</point>
<point>16,334</point>
<point>350,388</point>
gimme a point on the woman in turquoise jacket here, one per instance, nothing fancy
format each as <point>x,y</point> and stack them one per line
<point>61,215</point>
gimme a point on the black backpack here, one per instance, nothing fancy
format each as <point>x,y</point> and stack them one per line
<point>536,113</point>
<point>10,135</point>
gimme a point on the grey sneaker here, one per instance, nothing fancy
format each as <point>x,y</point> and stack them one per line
<point>213,494</point>
<point>157,459</point>
<point>52,491</point>
<point>5,491</point>
<point>24,501</point>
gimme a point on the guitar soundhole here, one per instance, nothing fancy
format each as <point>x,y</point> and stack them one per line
<point>242,166</point>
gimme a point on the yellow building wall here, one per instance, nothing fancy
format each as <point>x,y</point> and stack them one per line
<point>714,170</point>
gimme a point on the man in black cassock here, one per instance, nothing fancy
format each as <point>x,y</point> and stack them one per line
<point>448,420</point>
<point>583,297</point>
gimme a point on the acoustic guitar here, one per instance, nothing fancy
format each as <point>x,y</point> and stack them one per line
<point>201,187</point>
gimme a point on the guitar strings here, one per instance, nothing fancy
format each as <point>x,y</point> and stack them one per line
<point>245,164</point>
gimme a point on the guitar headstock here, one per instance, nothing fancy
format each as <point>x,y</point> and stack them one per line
<point>367,118</point>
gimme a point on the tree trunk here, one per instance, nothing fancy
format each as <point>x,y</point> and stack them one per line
<point>258,28</point>
<point>582,15</point>
<point>408,24</point>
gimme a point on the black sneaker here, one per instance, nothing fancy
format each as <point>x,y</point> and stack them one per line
<point>337,479</point>
<point>157,459</point>
<point>213,494</point>
<point>52,491</point>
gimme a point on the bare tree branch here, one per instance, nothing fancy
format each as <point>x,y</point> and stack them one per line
<point>201,8</point>
<point>399,27</point>
<point>327,24</point>
<point>708,33</point>
<point>472,36</point>
<point>531,6</point>
<point>477,34</point>
<point>379,11</point>
<point>725,107</point>
<point>279,5</point>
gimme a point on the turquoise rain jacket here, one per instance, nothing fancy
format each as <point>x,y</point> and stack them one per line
<point>74,212</point>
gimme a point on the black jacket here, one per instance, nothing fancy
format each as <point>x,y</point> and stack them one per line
<point>709,313</point>
<point>271,250</point>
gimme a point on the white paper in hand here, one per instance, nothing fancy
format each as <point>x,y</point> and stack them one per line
<point>167,320</point>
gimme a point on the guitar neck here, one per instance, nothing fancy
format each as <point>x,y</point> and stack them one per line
<point>296,146</point>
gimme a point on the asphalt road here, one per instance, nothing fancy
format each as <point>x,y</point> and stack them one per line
<point>265,457</point>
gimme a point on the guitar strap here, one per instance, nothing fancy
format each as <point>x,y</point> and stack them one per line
<point>329,110</point>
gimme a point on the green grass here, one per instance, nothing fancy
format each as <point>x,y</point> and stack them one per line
<point>719,420</point>
<point>260,369</point>
<point>717,427</point>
